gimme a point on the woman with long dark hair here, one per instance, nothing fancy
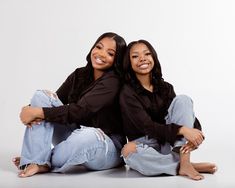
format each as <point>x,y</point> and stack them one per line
<point>82,119</point>
<point>161,126</point>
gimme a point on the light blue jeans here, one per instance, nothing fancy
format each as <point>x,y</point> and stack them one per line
<point>153,158</point>
<point>86,146</point>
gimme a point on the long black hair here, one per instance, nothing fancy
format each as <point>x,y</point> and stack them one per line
<point>156,73</point>
<point>118,58</point>
<point>88,70</point>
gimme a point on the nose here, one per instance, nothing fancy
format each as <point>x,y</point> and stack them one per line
<point>142,57</point>
<point>102,53</point>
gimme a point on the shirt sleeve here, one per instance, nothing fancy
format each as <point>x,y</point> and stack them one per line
<point>100,94</point>
<point>135,116</point>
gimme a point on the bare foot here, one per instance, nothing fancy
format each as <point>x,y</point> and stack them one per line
<point>16,161</point>
<point>33,169</point>
<point>187,169</point>
<point>205,167</point>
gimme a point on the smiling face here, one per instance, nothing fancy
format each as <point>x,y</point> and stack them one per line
<point>141,59</point>
<point>102,55</point>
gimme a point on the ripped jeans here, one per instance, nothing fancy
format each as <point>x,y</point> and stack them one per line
<point>86,146</point>
<point>152,158</point>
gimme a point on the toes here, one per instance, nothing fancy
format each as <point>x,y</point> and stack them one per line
<point>215,168</point>
<point>16,161</point>
<point>28,171</point>
<point>22,174</point>
<point>33,169</point>
<point>198,177</point>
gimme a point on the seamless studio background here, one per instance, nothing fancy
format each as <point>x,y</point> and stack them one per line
<point>42,42</point>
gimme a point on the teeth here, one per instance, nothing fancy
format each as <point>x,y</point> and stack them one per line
<point>98,60</point>
<point>143,66</point>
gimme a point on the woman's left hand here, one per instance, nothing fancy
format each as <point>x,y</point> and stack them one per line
<point>188,147</point>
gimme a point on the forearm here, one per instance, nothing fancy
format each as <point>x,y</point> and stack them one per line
<point>182,131</point>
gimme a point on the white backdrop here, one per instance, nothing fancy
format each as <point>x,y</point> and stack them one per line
<point>41,42</point>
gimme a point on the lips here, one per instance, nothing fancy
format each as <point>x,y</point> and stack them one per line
<point>98,60</point>
<point>143,65</point>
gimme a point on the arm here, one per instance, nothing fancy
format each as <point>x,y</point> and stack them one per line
<point>100,94</point>
<point>30,115</point>
<point>136,117</point>
<point>194,136</point>
<point>33,115</point>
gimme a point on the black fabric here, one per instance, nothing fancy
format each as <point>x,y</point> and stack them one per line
<point>143,112</point>
<point>89,102</point>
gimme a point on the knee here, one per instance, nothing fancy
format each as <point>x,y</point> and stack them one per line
<point>51,94</point>
<point>183,100</point>
<point>41,98</point>
<point>128,148</point>
<point>38,98</point>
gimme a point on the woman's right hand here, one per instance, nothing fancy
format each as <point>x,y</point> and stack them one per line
<point>31,115</point>
<point>192,135</point>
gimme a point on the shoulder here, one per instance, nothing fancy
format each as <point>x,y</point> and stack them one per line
<point>80,71</point>
<point>110,78</point>
<point>167,89</point>
<point>167,85</point>
<point>127,91</point>
<point>110,74</point>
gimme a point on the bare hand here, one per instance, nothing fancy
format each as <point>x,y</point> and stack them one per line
<point>30,115</point>
<point>194,136</point>
<point>35,122</point>
<point>128,148</point>
<point>188,148</point>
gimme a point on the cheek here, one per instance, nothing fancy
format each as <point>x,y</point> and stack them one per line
<point>92,52</point>
<point>133,65</point>
<point>111,61</point>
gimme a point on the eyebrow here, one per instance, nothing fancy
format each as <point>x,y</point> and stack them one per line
<point>108,48</point>
<point>143,51</point>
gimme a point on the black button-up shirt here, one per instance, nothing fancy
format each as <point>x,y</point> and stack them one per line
<point>89,102</point>
<point>144,112</point>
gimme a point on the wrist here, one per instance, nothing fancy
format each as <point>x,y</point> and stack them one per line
<point>182,130</point>
<point>39,113</point>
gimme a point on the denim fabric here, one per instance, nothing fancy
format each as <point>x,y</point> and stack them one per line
<point>88,146</point>
<point>153,158</point>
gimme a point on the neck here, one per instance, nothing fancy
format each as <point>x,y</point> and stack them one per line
<point>97,74</point>
<point>145,81</point>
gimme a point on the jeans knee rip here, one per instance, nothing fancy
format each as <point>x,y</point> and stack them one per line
<point>101,137</point>
<point>51,94</point>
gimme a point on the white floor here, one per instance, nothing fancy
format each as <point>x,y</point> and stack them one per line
<point>123,177</point>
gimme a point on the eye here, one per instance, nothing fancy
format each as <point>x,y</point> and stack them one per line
<point>98,46</point>
<point>134,56</point>
<point>111,54</point>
